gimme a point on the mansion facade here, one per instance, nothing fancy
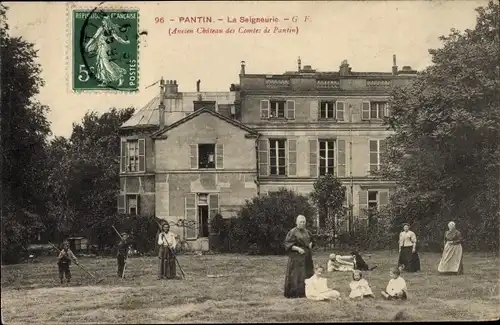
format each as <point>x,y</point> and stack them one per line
<point>191,155</point>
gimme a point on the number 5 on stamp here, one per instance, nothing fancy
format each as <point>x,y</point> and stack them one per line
<point>105,49</point>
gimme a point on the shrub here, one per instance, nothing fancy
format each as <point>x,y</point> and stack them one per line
<point>17,231</point>
<point>264,221</point>
<point>142,229</point>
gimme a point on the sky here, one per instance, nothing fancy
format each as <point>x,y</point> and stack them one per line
<point>366,33</point>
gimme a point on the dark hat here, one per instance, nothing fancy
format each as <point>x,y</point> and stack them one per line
<point>406,224</point>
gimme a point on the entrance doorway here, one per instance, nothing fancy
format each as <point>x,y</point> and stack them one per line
<point>203,220</point>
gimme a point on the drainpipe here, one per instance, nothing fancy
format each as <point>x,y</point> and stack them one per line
<point>351,204</point>
<point>257,181</point>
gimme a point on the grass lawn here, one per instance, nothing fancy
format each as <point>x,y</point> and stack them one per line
<point>251,291</point>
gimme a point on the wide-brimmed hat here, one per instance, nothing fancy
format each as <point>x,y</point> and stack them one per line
<point>124,234</point>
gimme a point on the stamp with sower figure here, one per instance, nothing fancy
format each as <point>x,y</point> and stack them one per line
<point>105,49</point>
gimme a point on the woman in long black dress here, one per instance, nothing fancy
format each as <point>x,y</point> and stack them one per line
<point>409,260</point>
<point>298,244</point>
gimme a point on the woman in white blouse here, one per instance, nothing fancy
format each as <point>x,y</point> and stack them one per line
<point>167,242</point>
<point>409,260</point>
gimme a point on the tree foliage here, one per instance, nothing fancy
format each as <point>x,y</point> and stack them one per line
<point>24,131</point>
<point>263,222</point>
<point>329,196</point>
<point>84,170</point>
<point>445,151</point>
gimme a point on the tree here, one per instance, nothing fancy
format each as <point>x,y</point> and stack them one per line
<point>24,131</point>
<point>329,196</point>
<point>84,177</point>
<point>264,221</point>
<point>445,151</point>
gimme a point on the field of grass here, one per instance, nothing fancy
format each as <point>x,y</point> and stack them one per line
<point>250,290</point>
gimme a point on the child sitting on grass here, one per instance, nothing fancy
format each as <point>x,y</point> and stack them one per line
<point>396,288</point>
<point>359,286</point>
<point>317,287</point>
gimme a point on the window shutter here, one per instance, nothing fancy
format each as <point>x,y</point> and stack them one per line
<point>387,110</point>
<point>123,156</point>
<point>138,204</point>
<point>121,203</point>
<point>313,158</point>
<point>341,158</point>
<point>365,112</point>
<point>142,155</point>
<point>122,184</point>
<point>373,144</point>
<point>339,111</point>
<point>263,158</point>
<point>264,109</point>
<point>194,156</point>
<point>213,205</point>
<point>383,199</point>
<point>382,151</point>
<point>315,109</point>
<point>191,228</point>
<point>219,154</point>
<point>292,157</point>
<point>290,109</point>
<point>363,203</point>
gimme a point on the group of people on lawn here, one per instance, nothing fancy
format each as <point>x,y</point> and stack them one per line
<point>167,242</point>
<point>304,279</point>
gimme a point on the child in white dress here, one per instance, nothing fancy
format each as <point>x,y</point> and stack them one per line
<point>396,288</point>
<point>317,287</point>
<point>359,286</point>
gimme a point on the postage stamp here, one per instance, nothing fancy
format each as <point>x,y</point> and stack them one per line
<point>105,49</point>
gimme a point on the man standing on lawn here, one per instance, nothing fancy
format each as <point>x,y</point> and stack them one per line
<point>122,256</point>
<point>64,261</point>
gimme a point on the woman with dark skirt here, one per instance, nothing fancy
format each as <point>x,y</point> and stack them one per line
<point>409,260</point>
<point>298,244</point>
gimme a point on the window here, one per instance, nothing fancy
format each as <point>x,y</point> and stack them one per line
<point>375,110</point>
<point>327,110</point>
<point>326,157</point>
<point>133,156</point>
<point>132,204</point>
<point>206,155</point>
<point>277,109</point>
<point>277,157</point>
<point>372,200</point>
<point>377,150</point>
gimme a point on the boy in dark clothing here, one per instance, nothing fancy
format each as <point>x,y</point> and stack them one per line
<point>123,247</point>
<point>64,261</point>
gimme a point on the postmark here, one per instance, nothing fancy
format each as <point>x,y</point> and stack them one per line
<point>105,49</point>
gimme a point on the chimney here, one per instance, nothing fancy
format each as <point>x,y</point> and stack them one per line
<point>161,107</point>
<point>171,88</point>
<point>394,66</point>
<point>344,68</point>
<point>242,71</point>
<point>198,86</point>
<point>299,62</point>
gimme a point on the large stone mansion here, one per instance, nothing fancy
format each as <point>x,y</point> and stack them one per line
<point>190,155</point>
